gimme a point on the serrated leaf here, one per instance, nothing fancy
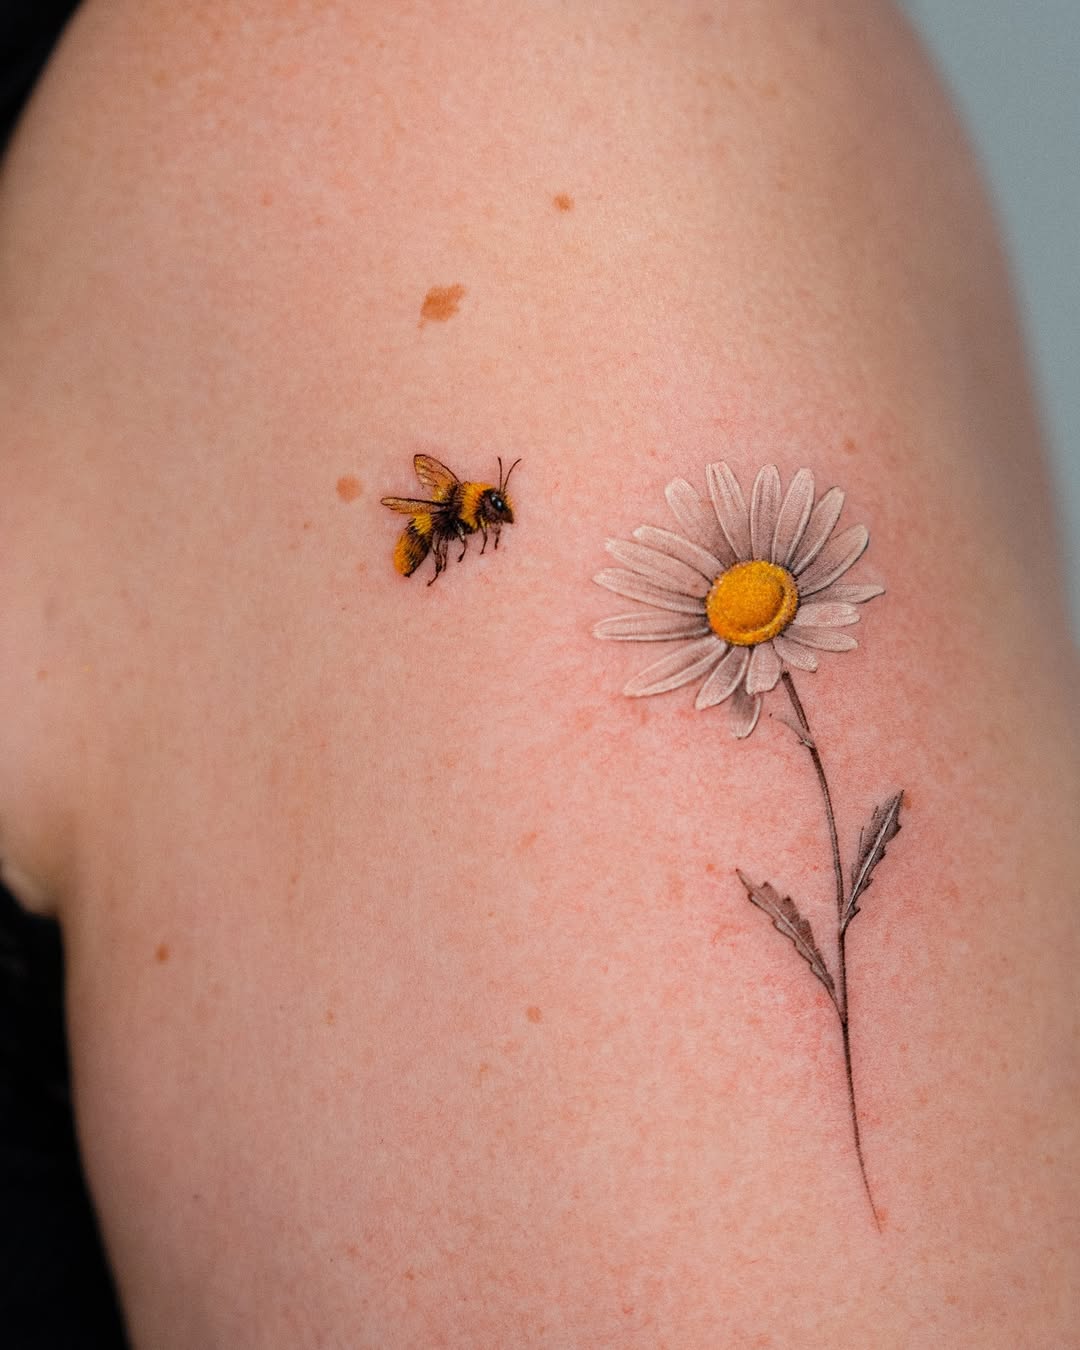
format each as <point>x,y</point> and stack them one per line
<point>873,840</point>
<point>787,920</point>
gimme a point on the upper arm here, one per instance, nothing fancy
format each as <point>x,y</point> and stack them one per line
<point>394,928</point>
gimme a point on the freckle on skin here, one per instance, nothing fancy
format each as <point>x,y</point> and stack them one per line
<point>563,201</point>
<point>585,718</point>
<point>329,1017</point>
<point>441,303</point>
<point>534,1014</point>
<point>162,953</point>
<point>849,446</point>
<point>527,840</point>
<point>348,488</point>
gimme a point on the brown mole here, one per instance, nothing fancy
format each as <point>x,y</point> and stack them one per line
<point>441,303</point>
<point>348,488</point>
<point>563,201</point>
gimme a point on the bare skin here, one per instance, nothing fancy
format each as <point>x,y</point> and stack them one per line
<point>414,998</point>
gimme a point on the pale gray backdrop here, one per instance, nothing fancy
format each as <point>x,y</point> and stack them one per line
<point>1014,70</point>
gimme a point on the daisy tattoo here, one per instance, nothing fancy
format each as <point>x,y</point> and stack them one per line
<point>744,596</point>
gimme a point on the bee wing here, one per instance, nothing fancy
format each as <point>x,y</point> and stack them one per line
<point>409,506</point>
<point>435,476</point>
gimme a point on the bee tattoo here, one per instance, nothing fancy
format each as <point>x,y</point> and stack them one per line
<point>453,512</point>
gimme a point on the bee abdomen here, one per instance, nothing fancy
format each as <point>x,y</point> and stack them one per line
<point>413,546</point>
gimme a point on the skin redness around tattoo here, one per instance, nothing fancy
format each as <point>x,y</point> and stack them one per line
<point>453,511</point>
<point>742,596</point>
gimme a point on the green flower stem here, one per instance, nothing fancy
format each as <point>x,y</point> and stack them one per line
<point>842,1003</point>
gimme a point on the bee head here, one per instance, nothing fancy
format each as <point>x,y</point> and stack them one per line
<point>497,507</point>
<point>496,502</point>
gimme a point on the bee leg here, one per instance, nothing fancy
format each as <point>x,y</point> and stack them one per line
<point>464,544</point>
<point>483,546</point>
<point>497,531</point>
<point>439,554</point>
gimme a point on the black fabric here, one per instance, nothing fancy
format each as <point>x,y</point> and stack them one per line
<point>28,32</point>
<point>55,1289</point>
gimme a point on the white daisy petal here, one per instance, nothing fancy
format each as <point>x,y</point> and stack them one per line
<point>725,679</point>
<point>793,654</point>
<point>690,662</point>
<point>764,669</point>
<point>824,639</point>
<point>764,511</point>
<point>635,587</point>
<point>675,546</point>
<point>849,592</point>
<point>826,614</point>
<point>834,559</point>
<point>744,714</point>
<point>668,573</point>
<point>730,507</point>
<point>651,626</point>
<point>793,516</point>
<point>818,528</point>
<point>697,519</point>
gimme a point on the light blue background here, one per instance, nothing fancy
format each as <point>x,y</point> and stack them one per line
<point>1014,70</point>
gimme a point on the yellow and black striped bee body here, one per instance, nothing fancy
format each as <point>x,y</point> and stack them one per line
<point>455,510</point>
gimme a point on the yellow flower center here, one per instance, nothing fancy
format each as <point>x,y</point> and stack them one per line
<point>751,602</point>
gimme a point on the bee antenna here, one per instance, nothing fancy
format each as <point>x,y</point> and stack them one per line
<point>503,482</point>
